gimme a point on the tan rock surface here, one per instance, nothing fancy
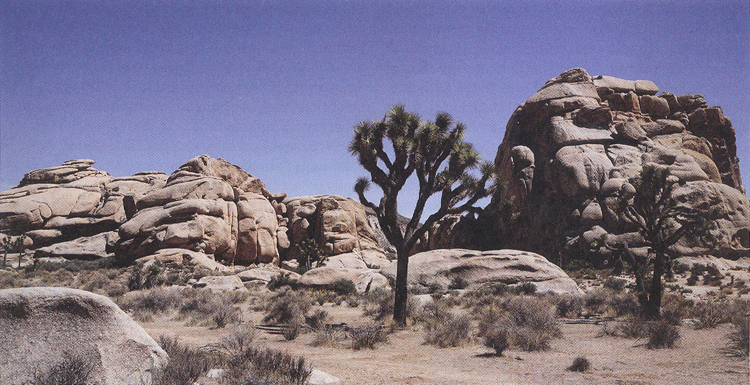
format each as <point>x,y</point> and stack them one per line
<point>39,325</point>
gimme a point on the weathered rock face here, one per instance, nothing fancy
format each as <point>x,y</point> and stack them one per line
<point>484,267</point>
<point>569,148</point>
<point>337,224</point>
<point>71,202</point>
<point>207,206</point>
<point>39,325</point>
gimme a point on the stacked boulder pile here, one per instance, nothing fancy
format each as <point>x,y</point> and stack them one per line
<point>570,148</point>
<point>207,206</point>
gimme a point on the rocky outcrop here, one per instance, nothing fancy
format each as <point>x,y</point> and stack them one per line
<point>337,224</point>
<point>72,202</point>
<point>207,206</point>
<point>41,326</point>
<point>480,268</point>
<point>569,149</point>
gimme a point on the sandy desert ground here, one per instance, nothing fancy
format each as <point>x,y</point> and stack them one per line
<point>405,359</point>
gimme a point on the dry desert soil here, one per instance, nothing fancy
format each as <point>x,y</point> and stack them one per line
<point>406,359</point>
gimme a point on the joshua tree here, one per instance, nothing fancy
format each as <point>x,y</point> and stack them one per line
<point>662,222</point>
<point>434,151</point>
<point>11,245</point>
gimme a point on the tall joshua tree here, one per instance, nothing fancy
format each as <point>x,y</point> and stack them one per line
<point>662,222</point>
<point>436,152</point>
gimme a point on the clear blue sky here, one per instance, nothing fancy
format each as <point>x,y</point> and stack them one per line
<point>277,86</point>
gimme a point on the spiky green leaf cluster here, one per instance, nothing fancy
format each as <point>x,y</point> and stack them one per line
<point>401,145</point>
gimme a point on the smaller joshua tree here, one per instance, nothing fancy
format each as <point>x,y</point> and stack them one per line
<point>12,245</point>
<point>649,205</point>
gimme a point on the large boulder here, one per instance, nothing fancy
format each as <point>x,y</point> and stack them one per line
<point>479,268</point>
<point>42,326</point>
<point>337,224</point>
<point>567,152</point>
<point>209,206</point>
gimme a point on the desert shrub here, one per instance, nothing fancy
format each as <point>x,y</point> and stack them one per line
<point>236,341</point>
<point>72,370</point>
<point>367,336</point>
<point>530,322</point>
<point>739,338</point>
<point>145,277</point>
<point>629,328</point>
<point>291,331</point>
<point>710,313</point>
<point>344,287</point>
<point>203,306</point>
<point>452,331</point>
<point>434,287</point>
<point>378,304</point>
<point>527,288</point>
<point>317,319</point>
<point>430,314</point>
<point>287,307</point>
<point>281,280</point>
<point>580,364</point>
<point>260,365</point>
<point>497,288</point>
<point>608,302</point>
<point>146,303</point>
<point>569,305</point>
<point>223,313</point>
<point>615,284</point>
<point>457,283</point>
<point>186,364</point>
<point>679,267</point>
<point>675,308</point>
<point>662,334</point>
<point>496,337</point>
<point>328,336</point>
<point>310,255</point>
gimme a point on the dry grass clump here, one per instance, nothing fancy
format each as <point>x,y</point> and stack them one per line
<point>185,366</point>
<point>739,337</point>
<point>266,366</point>
<point>529,323</point>
<point>72,370</point>
<point>329,336</point>
<point>443,328</point>
<point>379,304</point>
<point>662,334</point>
<point>450,332</point>
<point>367,336</point>
<point>580,364</point>
<point>288,307</point>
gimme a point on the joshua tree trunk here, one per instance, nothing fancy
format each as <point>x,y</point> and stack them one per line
<point>402,266</point>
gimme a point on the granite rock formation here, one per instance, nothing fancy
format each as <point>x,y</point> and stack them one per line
<point>571,146</point>
<point>39,326</point>
<point>480,268</point>
<point>207,205</point>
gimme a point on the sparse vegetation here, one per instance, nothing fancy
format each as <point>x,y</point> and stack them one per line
<point>185,366</point>
<point>367,336</point>
<point>580,364</point>
<point>530,323</point>
<point>281,280</point>
<point>662,334</point>
<point>288,307</point>
<point>72,370</point>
